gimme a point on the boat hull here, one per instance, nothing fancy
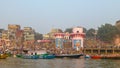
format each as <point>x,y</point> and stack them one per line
<point>68,55</point>
<point>46,56</point>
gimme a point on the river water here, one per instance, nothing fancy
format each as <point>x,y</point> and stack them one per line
<point>58,63</point>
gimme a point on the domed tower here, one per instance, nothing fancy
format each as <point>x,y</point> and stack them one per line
<point>77,38</point>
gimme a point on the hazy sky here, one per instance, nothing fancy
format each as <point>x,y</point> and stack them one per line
<point>43,15</point>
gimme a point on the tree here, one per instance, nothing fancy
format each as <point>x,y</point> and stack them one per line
<point>68,30</point>
<point>118,24</point>
<point>90,33</point>
<point>59,30</point>
<point>84,30</point>
<point>38,36</point>
<point>1,30</point>
<point>107,33</point>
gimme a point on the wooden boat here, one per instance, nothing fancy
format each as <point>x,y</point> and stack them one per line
<point>3,56</point>
<point>96,57</point>
<point>68,55</point>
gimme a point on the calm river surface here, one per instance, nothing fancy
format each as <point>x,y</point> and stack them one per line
<point>59,63</point>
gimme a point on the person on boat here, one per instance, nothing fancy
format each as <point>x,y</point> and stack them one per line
<point>35,53</point>
<point>31,53</point>
<point>61,52</point>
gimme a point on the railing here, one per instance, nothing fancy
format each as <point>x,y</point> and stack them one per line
<point>101,50</point>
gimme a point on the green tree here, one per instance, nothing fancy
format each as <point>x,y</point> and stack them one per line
<point>68,30</point>
<point>38,36</point>
<point>90,33</point>
<point>84,30</point>
<point>107,33</point>
<point>1,30</point>
<point>117,24</point>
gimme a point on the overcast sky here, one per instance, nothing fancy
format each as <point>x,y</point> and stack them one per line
<point>43,15</point>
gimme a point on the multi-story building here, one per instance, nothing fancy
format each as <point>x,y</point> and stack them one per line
<point>67,36</point>
<point>29,34</point>
<point>19,37</point>
<point>46,36</point>
<point>50,35</point>
<point>5,42</point>
<point>12,29</point>
<point>5,35</point>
